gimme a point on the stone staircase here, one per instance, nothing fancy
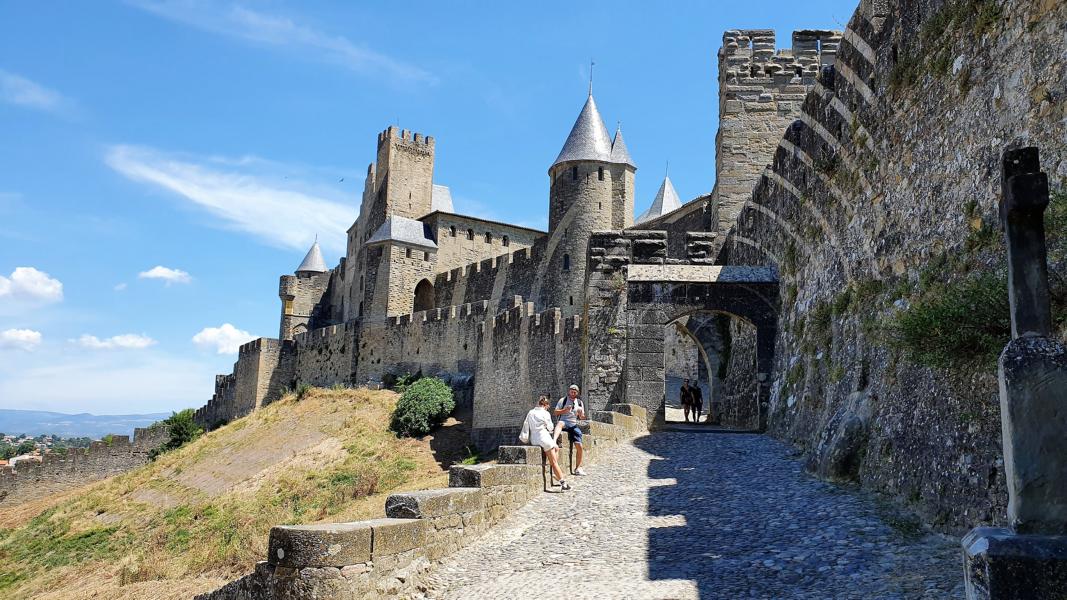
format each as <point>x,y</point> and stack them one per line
<point>384,558</point>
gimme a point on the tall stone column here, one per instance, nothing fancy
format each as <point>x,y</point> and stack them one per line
<point>1029,558</point>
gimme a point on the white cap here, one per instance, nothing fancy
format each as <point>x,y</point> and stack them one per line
<point>573,386</point>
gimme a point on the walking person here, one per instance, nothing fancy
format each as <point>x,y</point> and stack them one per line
<point>686,397</point>
<point>569,409</point>
<point>537,430</point>
<point>696,402</point>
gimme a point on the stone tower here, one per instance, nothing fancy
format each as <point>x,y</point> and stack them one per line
<point>301,294</point>
<point>404,177</point>
<point>592,189</point>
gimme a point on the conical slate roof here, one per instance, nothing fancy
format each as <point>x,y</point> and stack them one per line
<point>313,262</point>
<point>619,152</point>
<point>588,139</point>
<point>666,200</point>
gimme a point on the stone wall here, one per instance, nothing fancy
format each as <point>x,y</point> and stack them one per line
<point>265,368</point>
<point>302,303</point>
<point>521,355</point>
<point>497,279</point>
<point>31,479</point>
<point>887,181</point>
<point>327,356</point>
<point>387,557</point>
<point>456,249</point>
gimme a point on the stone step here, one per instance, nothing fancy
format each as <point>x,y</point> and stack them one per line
<point>628,423</point>
<point>634,410</point>
<point>342,544</point>
<point>429,504</point>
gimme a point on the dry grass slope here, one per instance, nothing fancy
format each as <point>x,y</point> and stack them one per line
<point>199,516</point>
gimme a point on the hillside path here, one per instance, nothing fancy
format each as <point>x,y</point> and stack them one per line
<point>700,515</point>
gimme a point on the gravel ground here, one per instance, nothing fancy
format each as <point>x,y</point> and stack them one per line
<point>702,515</point>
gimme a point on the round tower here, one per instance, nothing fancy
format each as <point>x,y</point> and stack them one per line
<point>591,189</point>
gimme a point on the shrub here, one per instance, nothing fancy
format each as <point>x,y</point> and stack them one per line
<point>423,406</point>
<point>956,325</point>
<point>302,390</point>
<point>182,429</point>
<point>404,381</point>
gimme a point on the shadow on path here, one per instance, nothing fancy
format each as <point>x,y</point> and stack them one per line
<point>742,520</point>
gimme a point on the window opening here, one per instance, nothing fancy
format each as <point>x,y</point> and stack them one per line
<point>566,262</point>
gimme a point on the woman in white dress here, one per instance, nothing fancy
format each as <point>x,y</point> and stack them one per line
<point>537,431</point>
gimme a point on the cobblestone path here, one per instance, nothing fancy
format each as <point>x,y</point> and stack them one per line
<point>698,515</point>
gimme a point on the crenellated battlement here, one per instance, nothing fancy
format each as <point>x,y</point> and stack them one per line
<point>405,137</point>
<point>752,54</point>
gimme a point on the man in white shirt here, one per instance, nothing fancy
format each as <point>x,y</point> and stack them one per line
<point>569,409</point>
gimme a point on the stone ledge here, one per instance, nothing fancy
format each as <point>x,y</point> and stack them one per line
<point>324,545</point>
<point>519,455</point>
<point>428,504</point>
<point>482,476</point>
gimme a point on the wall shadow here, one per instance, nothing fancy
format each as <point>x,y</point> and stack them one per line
<point>752,524</point>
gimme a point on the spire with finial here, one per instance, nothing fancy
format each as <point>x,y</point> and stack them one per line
<point>313,263</point>
<point>666,201</point>
<point>589,139</point>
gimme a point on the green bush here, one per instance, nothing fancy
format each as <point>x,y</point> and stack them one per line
<point>182,429</point>
<point>957,325</point>
<point>424,405</point>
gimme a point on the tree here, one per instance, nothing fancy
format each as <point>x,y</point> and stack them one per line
<point>26,447</point>
<point>182,428</point>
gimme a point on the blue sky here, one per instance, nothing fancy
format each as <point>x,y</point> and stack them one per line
<point>162,163</point>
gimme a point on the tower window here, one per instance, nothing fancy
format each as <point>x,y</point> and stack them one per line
<point>470,234</point>
<point>288,307</point>
<point>600,206</point>
<point>572,300</point>
<point>600,173</point>
<point>426,256</point>
<point>361,283</point>
<point>488,238</point>
<point>505,241</point>
<point>407,252</point>
<point>574,173</point>
<point>452,231</point>
<point>566,262</point>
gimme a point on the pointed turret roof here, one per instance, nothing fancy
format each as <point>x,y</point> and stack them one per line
<point>589,137</point>
<point>666,200</point>
<point>313,262</point>
<point>619,152</point>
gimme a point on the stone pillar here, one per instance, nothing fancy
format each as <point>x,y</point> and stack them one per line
<point>1029,559</point>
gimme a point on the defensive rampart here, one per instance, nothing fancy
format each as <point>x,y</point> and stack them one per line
<point>32,479</point>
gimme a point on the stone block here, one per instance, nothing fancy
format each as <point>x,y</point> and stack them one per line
<point>323,545</point>
<point>483,476</point>
<point>429,504</point>
<point>1002,565</point>
<point>393,536</point>
<point>519,455</point>
<point>633,410</point>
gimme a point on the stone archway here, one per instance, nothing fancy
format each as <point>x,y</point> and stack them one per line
<point>423,296</point>
<point>632,293</point>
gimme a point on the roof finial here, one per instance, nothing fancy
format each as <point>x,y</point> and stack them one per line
<point>591,65</point>
<point>667,169</point>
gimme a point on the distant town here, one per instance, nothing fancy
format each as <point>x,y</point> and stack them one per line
<point>15,448</point>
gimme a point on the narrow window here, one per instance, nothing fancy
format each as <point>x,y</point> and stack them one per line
<point>600,206</point>
<point>470,234</point>
<point>600,173</point>
<point>361,314</point>
<point>505,241</point>
<point>407,253</point>
<point>488,238</point>
<point>572,300</point>
<point>361,283</point>
<point>426,256</point>
<point>288,307</point>
<point>574,173</point>
<point>452,231</point>
<point>566,262</point>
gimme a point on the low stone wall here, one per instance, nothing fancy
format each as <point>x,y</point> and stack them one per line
<point>385,558</point>
<point>31,479</point>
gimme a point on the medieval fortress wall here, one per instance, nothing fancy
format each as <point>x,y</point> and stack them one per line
<point>32,479</point>
<point>886,183</point>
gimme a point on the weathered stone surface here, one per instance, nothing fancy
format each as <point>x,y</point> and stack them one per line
<point>324,545</point>
<point>1002,565</point>
<point>392,536</point>
<point>483,476</point>
<point>519,455</point>
<point>433,503</point>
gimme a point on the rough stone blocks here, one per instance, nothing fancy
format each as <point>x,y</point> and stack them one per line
<point>428,504</point>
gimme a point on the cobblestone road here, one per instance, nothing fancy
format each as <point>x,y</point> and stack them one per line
<point>698,515</point>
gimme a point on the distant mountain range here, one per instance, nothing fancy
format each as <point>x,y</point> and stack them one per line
<point>37,422</point>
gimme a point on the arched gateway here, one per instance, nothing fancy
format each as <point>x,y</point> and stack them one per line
<point>633,293</point>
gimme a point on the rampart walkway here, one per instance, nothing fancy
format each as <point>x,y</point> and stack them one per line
<point>697,515</point>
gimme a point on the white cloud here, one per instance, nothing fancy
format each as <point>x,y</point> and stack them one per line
<point>225,339</point>
<point>27,283</point>
<point>166,274</point>
<point>266,29</point>
<point>120,287</point>
<point>286,213</point>
<point>17,90</point>
<point>20,339</point>
<point>126,340</point>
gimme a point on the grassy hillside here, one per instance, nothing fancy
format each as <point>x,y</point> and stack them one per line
<point>199,516</point>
